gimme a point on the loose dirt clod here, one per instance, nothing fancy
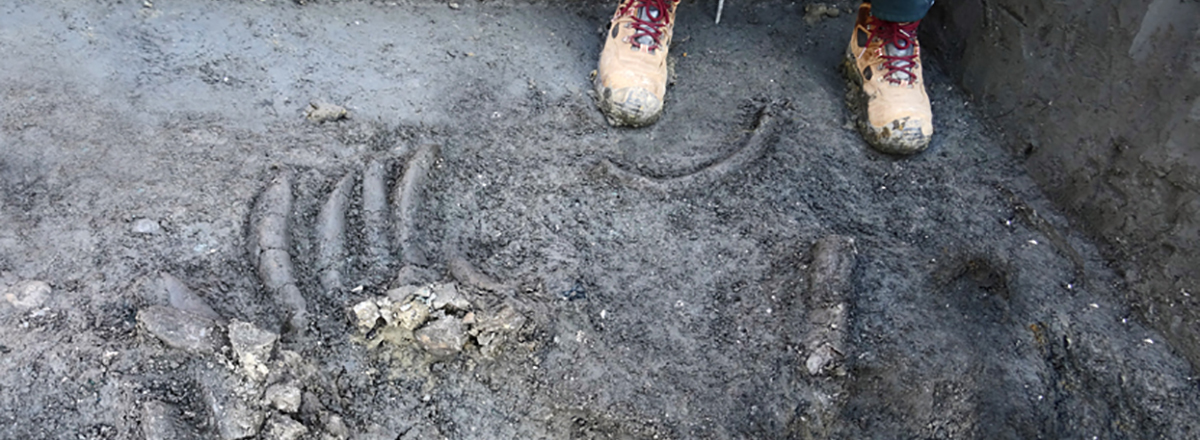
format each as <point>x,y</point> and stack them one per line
<point>442,337</point>
<point>321,112</point>
<point>227,398</point>
<point>181,330</point>
<point>281,427</point>
<point>180,296</point>
<point>283,397</point>
<point>160,421</point>
<point>816,12</point>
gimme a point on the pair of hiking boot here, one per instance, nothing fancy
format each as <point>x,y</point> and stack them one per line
<point>883,60</point>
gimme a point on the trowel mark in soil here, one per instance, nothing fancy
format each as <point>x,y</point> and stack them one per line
<point>705,175</point>
<point>269,245</point>
<point>375,213</point>
<point>381,221</point>
<point>331,235</point>
<point>406,201</point>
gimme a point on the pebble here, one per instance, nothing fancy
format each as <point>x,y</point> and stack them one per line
<point>366,314</point>
<point>252,346</point>
<point>820,360</point>
<point>28,294</point>
<point>146,226</point>
<point>280,427</point>
<point>442,337</point>
<point>285,398</point>
<point>179,329</point>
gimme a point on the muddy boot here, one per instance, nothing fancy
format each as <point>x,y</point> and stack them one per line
<point>884,62</point>
<point>631,80</point>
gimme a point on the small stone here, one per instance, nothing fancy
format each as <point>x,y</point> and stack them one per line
<point>325,112</point>
<point>252,346</point>
<point>411,315</point>
<point>179,329</point>
<point>285,398</point>
<point>366,314</point>
<point>454,6</point>
<point>447,296</point>
<point>29,294</point>
<point>146,226</point>
<point>280,427</point>
<point>442,337</point>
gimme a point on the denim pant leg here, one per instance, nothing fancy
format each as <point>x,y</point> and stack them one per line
<point>901,11</point>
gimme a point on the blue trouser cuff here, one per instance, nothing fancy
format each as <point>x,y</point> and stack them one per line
<point>900,11</point>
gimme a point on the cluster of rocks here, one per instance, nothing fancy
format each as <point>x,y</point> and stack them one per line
<point>251,386</point>
<point>438,318</point>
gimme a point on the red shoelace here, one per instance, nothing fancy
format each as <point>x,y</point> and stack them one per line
<point>901,36</point>
<point>656,18</point>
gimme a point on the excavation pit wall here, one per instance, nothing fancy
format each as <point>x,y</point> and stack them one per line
<point>1100,100</point>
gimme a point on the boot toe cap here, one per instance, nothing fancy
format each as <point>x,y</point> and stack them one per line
<point>630,106</point>
<point>907,136</point>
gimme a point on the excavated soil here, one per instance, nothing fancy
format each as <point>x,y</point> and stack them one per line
<point>186,255</point>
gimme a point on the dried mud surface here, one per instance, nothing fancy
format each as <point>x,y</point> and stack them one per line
<point>746,268</point>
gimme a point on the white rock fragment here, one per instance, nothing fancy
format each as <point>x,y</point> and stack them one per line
<point>28,294</point>
<point>366,314</point>
<point>252,346</point>
<point>820,360</point>
<point>280,427</point>
<point>284,397</point>
<point>146,226</point>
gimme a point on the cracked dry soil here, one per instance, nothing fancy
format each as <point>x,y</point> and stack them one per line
<point>474,253</point>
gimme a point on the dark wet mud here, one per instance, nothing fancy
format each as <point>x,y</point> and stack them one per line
<point>474,253</point>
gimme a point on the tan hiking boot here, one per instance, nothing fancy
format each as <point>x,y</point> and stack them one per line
<point>884,59</point>
<point>631,80</point>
